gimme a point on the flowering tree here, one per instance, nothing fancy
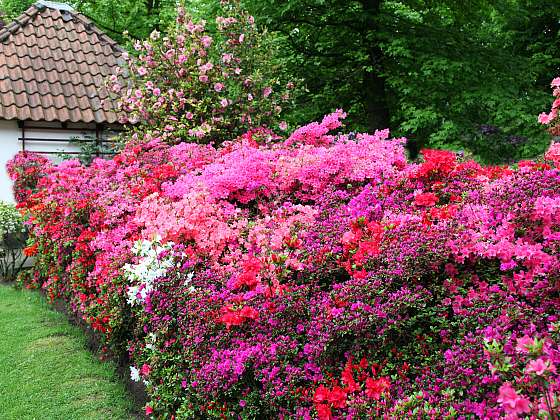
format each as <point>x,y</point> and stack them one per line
<point>198,85</point>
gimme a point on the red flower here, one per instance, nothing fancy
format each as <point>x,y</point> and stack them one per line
<point>249,313</point>
<point>348,378</point>
<point>149,410</point>
<point>324,412</point>
<point>231,316</point>
<point>436,162</point>
<point>248,278</point>
<point>31,250</point>
<point>336,396</point>
<point>321,394</point>
<point>426,199</point>
<point>376,387</point>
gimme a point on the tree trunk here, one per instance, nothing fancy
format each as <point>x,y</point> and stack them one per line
<point>374,89</point>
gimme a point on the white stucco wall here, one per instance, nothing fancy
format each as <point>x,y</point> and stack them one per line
<point>35,130</point>
<point>9,146</point>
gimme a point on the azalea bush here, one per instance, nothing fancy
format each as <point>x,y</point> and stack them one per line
<point>202,82</point>
<point>313,275</point>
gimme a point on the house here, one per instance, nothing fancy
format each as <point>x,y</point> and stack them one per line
<point>53,67</point>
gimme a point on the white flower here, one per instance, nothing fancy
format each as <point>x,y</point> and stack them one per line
<point>132,291</point>
<point>134,374</point>
<point>188,279</point>
<point>150,267</point>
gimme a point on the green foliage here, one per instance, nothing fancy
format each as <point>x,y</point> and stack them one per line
<point>90,149</point>
<point>452,72</point>
<point>138,18</point>
<point>13,236</point>
<point>433,71</point>
<point>11,9</point>
<point>10,221</point>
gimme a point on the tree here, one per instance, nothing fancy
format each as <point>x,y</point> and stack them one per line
<point>200,84</point>
<point>444,73</point>
<point>138,18</point>
<point>11,9</point>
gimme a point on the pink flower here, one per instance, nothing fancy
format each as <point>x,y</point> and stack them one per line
<point>241,38</point>
<point>267,91</point>
<point>283,125</point>
<point>145,369</point>
<point>206,67</point>
<point>555,82</point>
<point>218,87</point>
<point>553,154</point>
<point>203,78</point>
<point>189,115</point>
<point>206,41</point>
<point>149,410</point>
<point>540,366</point>
<point>511,401</point>
<point>226,58</point>
<point>524,343</point>
<point>224,102</point>
<point>544,118</point>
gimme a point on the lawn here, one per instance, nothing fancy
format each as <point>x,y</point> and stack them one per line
<point>46,372</point>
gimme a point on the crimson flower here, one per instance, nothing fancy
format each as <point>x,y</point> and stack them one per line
<point>232,317</point>
<point>335,396</point>
<point>348,379</point>
<point>324,412</point>
<point>376,387</point>
<point>426,199</point>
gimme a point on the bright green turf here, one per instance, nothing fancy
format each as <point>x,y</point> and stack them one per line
<point>46,372</point>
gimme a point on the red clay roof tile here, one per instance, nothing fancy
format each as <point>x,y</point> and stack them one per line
<point>53,64</point>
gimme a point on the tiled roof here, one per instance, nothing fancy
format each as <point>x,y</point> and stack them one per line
<point>53,66</point>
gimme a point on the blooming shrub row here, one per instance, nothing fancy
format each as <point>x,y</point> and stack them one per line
<point>318,276</point>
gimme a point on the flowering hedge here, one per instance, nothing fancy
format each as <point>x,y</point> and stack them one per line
<point>318,276</point>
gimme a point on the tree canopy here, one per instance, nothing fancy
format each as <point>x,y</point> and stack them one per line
<point>463,75</point>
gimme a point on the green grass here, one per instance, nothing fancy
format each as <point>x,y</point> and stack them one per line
<point>46,372</point>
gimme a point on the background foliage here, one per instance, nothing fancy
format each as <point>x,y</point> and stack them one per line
<point>462,75</point>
